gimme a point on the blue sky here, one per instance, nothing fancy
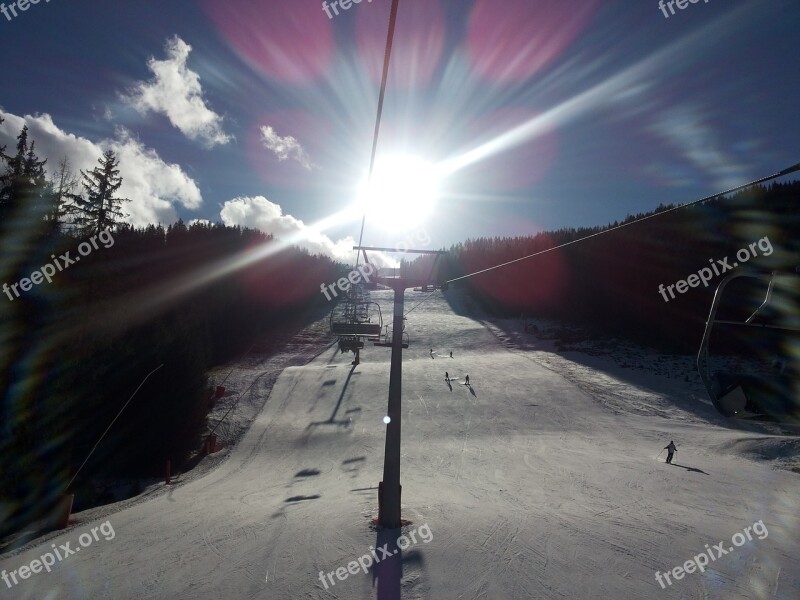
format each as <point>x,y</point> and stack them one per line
<point>535,115</point>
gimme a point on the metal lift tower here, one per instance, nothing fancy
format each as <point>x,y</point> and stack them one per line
<point>389,489</point>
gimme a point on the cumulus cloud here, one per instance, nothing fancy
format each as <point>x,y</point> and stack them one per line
<point>284,147</point>
<point>175,91</point>
<point>259,213</point>
<point>153,186</point>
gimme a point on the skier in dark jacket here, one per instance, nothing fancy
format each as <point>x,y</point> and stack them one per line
<point>671,449</point>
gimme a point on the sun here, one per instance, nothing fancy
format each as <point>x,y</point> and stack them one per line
<point>403,191</point>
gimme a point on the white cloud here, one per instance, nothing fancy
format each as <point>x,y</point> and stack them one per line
<point>176,92</point>
<point>153,186</point>
<point>259,213</point>
<point>284,147</point>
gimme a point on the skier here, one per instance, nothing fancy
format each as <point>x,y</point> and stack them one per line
<point>451,354</point>
<point>671,449</point>
<point>446,376</point>
<point>467,380</point>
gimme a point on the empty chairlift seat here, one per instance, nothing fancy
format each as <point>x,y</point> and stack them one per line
<point>359,329</point>
<point>356,318</point>
<point>765,383</point>
<point>750,395</point>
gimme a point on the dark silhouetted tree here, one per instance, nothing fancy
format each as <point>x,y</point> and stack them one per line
<point>100,209</point>
<point>23,184</point>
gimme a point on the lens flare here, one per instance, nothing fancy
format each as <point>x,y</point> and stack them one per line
<point>290,41</point>
<point>512,42</point>
<point>417,47</point>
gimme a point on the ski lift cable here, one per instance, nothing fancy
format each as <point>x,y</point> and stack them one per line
<point>110,425</point>
<point>794,168</point>
<point>384,78</point>
<point>787,171</point>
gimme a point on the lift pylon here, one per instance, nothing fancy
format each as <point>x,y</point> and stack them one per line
<point>389,489</point>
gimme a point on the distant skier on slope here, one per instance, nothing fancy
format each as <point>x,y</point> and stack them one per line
<point>446,376</point>
<point>467,380</point>
<point>671,449</point>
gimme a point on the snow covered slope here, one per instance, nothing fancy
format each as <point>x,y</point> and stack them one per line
<point>530,485</point>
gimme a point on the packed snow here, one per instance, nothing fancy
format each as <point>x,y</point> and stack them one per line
<point>542,479</point>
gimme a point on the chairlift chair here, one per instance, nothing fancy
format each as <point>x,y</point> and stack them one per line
<point>764,384</point>
<point>387,341</point>
<point>361,319</point>
<point>354,319</point>
<point>350,344</point>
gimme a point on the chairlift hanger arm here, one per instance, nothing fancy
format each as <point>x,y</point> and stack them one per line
<point>767,298</point>
<point>366,258</point>
<point>761,325</point>
<point>402,250</point>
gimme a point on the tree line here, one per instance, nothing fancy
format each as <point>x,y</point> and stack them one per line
<point>610,283</point>
<point>75,349</point>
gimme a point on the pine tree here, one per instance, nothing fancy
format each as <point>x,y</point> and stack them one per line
<point>100,210</point>
<point>17,163</point>
<point>40,203</point>
<point>33,167</point>
<point>23,184</point>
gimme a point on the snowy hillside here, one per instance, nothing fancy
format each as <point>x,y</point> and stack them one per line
<point>538,481</point>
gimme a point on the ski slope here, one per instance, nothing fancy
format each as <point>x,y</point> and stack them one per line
<point>531,483</point>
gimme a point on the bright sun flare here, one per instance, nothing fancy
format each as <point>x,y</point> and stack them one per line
<point>402,193</point>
